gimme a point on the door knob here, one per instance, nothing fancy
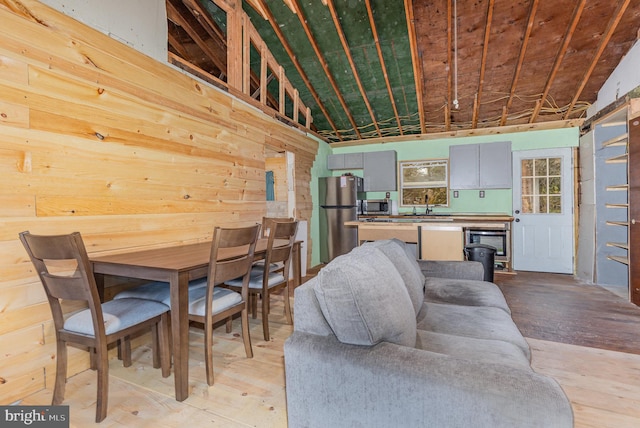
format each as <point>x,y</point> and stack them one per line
<point>517,211</point>
<point>517,220</point>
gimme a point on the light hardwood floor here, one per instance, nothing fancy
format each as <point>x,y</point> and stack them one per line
<point>603,385</point>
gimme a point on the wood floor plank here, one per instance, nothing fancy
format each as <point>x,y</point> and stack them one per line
<point>583,336</point>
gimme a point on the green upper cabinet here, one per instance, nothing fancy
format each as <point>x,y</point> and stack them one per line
<point>480,166</point>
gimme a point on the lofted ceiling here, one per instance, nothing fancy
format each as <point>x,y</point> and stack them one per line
<point>384,68</point>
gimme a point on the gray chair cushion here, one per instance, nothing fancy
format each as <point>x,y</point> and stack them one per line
<point>464,292</point>
<point>223,298</point>
<point>258,267</point>
<point>157,291</point>
<point>255,280</point>
<point>364,300</point>
<point>160,292</point>
<point>406,266</point>
<point>117,314</point>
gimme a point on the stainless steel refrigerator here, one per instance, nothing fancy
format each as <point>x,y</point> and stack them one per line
<point>338,203</point>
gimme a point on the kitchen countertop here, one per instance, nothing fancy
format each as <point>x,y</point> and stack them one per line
<point>433,218</point>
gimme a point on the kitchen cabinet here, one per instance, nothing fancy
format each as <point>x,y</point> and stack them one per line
<point>380,231</point>
<point>345,161</point>
<point>380,171</point>
<point>480,166</point>
<point>436,238</point>
<point>438,242</point>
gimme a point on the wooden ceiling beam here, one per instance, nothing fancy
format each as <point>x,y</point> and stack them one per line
<point>323,62</point>
<point>611,27</point>
<point>416,60</point>
<point>523,49</point>
<point>205,20</point>
<point>496,131</point>
<point>177,45</point>
<point>176,16</point>
<point>483,64</point>
<point>352,64</point>
<point>577,13</point>
<point>447,107</point>
<point>376,40</point>
<point>294,59</point>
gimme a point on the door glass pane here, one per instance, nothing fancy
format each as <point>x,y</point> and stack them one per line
<point>542,204</point>
<point>555,204</point>
<point>555,185</point>
<point>541,178</point>
<point>555,166</point>
<point>541,185</point>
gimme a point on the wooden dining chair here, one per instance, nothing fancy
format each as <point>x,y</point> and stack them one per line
<point>264,282</point>
<point>267,224</point>
<point>232,252</point>
<point>268,221</point>
<point>214,303</point>
<point>63,267</point>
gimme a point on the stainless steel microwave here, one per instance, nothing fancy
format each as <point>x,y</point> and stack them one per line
<point>375,207</point>
<point>495,238</point>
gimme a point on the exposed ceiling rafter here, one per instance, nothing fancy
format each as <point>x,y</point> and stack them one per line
<point>268,15</point>
<point>522,64</point>
<point>374,31</point>
<point>416,61</point>
<point>352,64</point>
<point>323,62</point>
<point>518,69</point>
<point>577,13</point>
<point>611,27</point>
<point>483,63</point>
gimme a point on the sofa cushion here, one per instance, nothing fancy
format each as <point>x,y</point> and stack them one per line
<point>407,267</point>
<point>480,322</point>
<point>473,349</point>
<point>307,314</point>
<point>464,292</point>
<point>364,300</point>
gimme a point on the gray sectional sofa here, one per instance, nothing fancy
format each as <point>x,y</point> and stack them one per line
<point>383,340</point>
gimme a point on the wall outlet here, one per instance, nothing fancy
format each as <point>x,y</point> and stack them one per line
<point>482,193</point>
<point>456,193</point>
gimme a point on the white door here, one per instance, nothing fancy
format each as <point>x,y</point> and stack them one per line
<point>542,231</point>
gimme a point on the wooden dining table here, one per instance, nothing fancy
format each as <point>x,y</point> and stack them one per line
<point>176,265</point>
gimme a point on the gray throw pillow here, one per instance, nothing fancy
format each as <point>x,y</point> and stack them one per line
<point>364,300</point>
<point>407,266</point>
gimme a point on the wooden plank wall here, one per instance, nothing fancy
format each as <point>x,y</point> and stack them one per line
<point>98,138</point>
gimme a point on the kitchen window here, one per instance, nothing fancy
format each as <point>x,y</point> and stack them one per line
<point>419,179</point>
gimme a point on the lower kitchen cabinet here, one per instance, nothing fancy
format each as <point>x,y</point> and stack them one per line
<point>441,242</point>
<point>377,232</point>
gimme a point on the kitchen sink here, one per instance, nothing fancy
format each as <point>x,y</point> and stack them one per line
<point>428,215</point>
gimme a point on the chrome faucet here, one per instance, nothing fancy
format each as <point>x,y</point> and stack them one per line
<point>426,201</point>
